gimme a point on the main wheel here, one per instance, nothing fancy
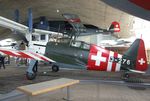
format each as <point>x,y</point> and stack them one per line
<point>30,76</point>
<point>55,68</point>
<point>126,76</point>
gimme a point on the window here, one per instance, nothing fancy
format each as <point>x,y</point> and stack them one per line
<point>35,37</point>
<point>42,37</point>
<point>86,46</point>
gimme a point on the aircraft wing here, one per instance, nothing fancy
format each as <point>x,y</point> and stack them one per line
<point>26,54</point>
<point>4,22</point>
<point>14,26</point>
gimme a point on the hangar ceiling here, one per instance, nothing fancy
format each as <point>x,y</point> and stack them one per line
<point>90,12</point>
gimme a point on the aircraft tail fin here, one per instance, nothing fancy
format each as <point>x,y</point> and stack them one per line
<point>114,27</point>
<point>137,54</point>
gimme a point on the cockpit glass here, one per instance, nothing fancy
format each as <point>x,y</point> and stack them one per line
<point>76,44</point>
<point>86,46</point>
<point>81,45</point>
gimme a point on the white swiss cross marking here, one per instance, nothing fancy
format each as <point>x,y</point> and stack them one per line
<point>98,58</point>
<point>117,26</point>
<point>141,61</point>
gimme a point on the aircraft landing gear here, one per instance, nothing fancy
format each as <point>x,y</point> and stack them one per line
<point>126,75</point>
<point>32,70</point>
<point>30,76</point>
<point>55,68</point>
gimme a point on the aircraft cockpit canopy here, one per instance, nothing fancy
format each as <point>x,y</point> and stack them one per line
<point>81,44</point>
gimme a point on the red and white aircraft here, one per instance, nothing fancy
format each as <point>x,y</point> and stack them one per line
<point>96,58</point>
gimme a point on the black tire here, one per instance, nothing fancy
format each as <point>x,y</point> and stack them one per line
<point>55,68</point>
<point>126,75</point>
<point>30,76</point>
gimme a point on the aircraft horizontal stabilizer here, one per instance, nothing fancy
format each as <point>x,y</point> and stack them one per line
<point>136,71</point>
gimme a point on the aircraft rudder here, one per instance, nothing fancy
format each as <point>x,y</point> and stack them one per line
<point>137,55</point>
<point>115,26</point>
<point>141,61</point>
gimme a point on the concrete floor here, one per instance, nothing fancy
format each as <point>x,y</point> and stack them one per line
<point>14,76</point>
<point>90,92</point>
